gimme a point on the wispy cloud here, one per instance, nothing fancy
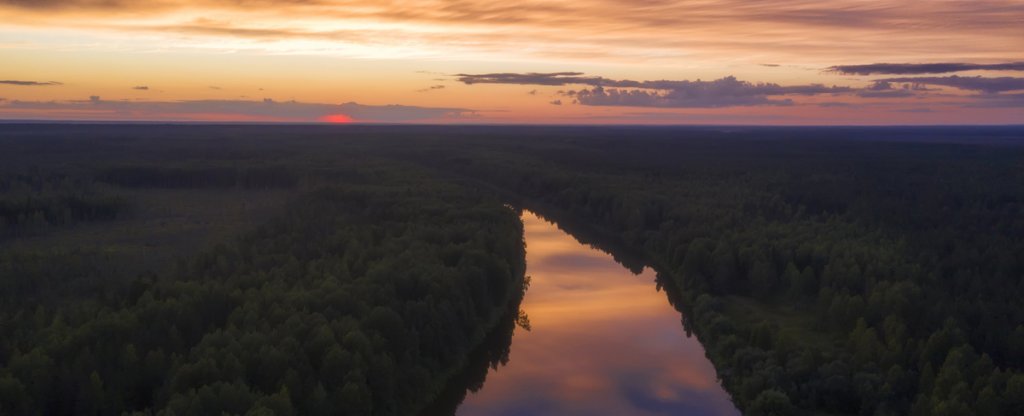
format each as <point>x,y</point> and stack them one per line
<point>531,78</point>
<point>886,89</point>
<point>431,88</point>
<point>223,110</point>
<point>29,83</point>
<point>932,68</point>
<point>141,88</point>
<point>980,84</point>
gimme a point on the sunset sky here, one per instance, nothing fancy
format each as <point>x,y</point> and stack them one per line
<point>488,61</point>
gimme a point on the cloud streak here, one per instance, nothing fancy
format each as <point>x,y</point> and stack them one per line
<point>532,78</point>
<point>431,88</point>
<point>29,83</point>
<point>932,68</point>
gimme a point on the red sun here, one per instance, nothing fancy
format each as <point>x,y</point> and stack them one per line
<point>336,119</point>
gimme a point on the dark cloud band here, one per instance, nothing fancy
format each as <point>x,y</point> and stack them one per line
<point>934,68</point>
<point>29,83</point>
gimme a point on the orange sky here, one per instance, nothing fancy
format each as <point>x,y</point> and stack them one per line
<point>745,62</point>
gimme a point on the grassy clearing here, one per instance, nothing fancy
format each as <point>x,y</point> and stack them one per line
<point>161,225</point>
<point>793,323</point>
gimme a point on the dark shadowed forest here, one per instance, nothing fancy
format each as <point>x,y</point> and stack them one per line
<point>375,270</point>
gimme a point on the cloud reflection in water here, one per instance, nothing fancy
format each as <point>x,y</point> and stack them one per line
<point>603,342</point>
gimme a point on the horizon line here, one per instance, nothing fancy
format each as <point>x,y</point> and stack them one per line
<point>480,124</point>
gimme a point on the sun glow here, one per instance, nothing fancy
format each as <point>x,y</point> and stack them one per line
<point>336,119</point>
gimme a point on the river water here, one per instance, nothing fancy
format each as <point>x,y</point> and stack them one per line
<point>601,341</point>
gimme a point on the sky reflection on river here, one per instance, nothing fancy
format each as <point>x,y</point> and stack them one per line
<point>603,342</point>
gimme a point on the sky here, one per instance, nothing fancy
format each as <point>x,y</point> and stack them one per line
<point>767,62</point>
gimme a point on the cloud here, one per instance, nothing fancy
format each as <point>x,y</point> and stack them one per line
<point>714,97</point>
<point>141,88</point>
<point>532,78</point>
<point>885,89</point>
<point>934,68</point>
<point>556,102</point>
<point>29,83</point>
<point>980,84</point>
<point>578,78</point>
<point>269,110</point>
<point>431,88</point>
<point>724,92</point>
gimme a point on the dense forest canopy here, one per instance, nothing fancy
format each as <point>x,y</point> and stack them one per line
<point>872,271</point>
<point>362,296</point>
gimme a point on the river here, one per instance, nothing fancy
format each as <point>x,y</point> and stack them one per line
<point>601,341</point>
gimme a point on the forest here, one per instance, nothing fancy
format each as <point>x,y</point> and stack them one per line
<point>846,271</point>
<point>361,296</point>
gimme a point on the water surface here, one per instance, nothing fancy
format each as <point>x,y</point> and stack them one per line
<point>602,341</point>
